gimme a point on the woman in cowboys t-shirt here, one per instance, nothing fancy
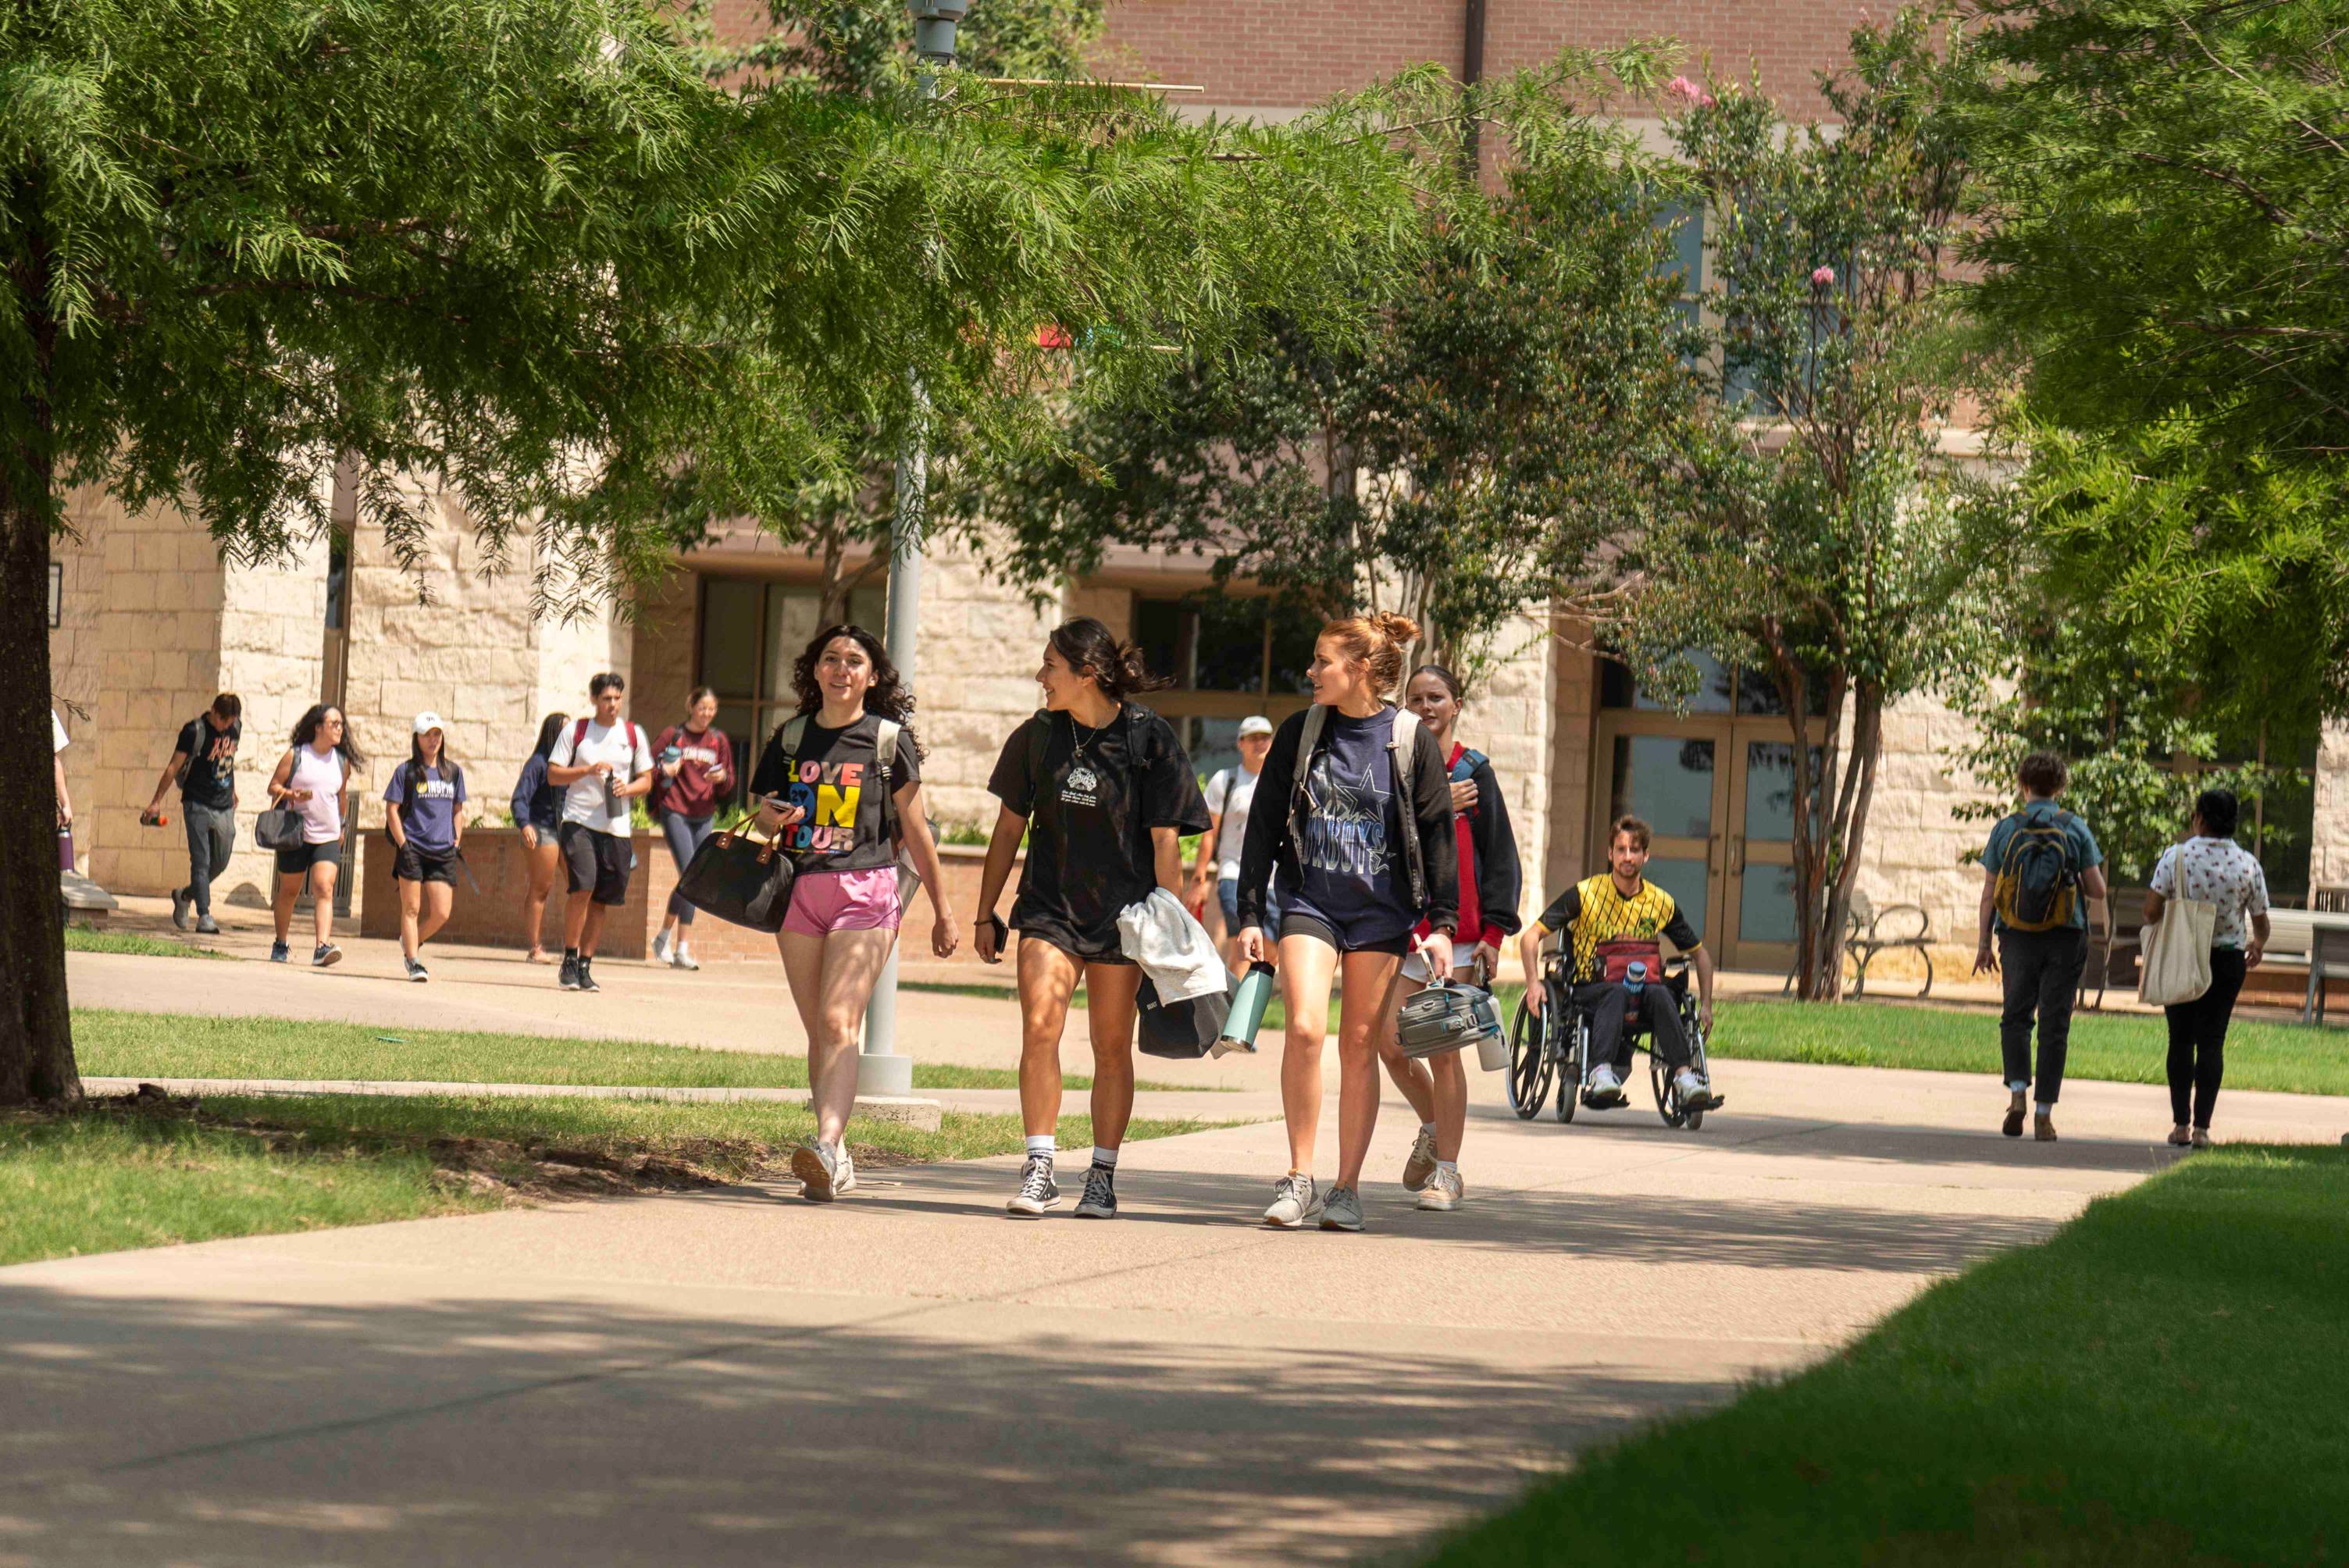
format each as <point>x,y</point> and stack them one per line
<point>1362,831</point>
<point>1489,888</point>
<point>816,784</point>
<point>1104,791</point>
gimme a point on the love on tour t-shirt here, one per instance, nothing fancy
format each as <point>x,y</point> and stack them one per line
<point>833,780</point>
<point>1090,811</point>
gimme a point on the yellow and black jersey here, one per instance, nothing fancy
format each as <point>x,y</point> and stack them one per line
<point>1594,910</point>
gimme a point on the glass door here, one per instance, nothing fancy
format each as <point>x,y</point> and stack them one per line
<point>1675,775</point>
<point>1758,931</point>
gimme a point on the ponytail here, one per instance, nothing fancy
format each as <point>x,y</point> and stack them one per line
<point>1089,648</point>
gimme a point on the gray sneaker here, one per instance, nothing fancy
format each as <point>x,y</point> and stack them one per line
<point>1295,1199</point>
<point>207,926</point>
<point>1422,1163</point>
<point>182,900</point>
<point>1443,1191</point>
<point>818,1166</point>
<point>1344,1211</point>
<point>843,1175</point>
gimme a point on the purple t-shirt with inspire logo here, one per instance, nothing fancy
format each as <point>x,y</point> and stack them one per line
<point>427,806</point>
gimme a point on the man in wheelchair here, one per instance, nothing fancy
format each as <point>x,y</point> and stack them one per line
<point>1611,922</point>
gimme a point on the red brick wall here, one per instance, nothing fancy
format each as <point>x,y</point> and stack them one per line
<point>1289,53</point>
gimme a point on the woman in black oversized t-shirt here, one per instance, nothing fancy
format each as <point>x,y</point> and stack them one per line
<point>1104,791</point>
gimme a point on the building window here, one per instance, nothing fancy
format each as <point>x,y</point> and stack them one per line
<point>1718,690</point>
<point>1231,655</point>
<point>750,632</point>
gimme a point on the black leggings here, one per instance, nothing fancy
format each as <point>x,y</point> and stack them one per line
<point>2197,1040</point>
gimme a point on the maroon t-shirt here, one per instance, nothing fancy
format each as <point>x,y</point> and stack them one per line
<point>690,793</point>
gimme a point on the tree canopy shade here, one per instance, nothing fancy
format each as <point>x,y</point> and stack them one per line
<point>1520,380</point>
<point>2164,206</point>
<point>526,249</point>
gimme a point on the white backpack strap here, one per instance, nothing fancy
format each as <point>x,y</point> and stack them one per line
<point>1402,748</point>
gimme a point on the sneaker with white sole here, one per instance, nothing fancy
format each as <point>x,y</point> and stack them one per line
<point>182,900</point>
<point>683,957</point>
<point>588,975</point>
<point>1696,1093</point>
<point>416,972</point>
<point>1604,1090</point>
<point>1295,1199</point>
<point>819,1167</point>
<point>1038,1190</point>
<point>207,926</point>
<point>569,978</point>
<point>661,947</point>
<point>279,953</point>
<point>1422,1163</point>
<point>1443,1191</point>
<point>1344,1211</point>
<point>325,956</point>
<point>1099,1201</point>
<point>843,1175</point>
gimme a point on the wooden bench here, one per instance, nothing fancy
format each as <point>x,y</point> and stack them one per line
<point>2294,939</point>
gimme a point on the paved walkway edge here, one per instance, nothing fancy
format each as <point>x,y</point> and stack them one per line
<point>924,1115</point>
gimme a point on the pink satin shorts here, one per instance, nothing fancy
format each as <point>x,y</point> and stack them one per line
<point>826,902</point>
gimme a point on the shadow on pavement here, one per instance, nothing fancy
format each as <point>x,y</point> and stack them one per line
<point>569,1432</point>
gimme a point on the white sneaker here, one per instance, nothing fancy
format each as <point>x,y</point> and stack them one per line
<point>681,958</point>
<point>1443,1192</point>
<point>1696,1094</point>
<point>660,948</point>
<point>818,1166</point>
<point>1295,1199</point>
<point>844,1176</point>
<point>1604,1079</point>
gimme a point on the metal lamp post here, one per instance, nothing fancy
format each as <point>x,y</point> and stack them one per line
<point>881,1069</point>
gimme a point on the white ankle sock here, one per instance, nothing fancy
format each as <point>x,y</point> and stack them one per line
<point>1428,1128</point>
<point>1451,1165</point>
<point>1106,1157</point>
<point>1044,1146</point>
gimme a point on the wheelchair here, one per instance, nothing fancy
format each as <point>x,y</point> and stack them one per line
<point>1556,1047</point>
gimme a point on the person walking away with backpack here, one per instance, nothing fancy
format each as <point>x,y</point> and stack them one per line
<point>313,780</point>
<point>1229,794</point>
<point>1104,792</point>
<point>2040,870</point>
<point>841,782</point>
<point>537,808</point>
<point>1490,883</point>
<point>1365,847</point>
<point>2211,867</point>
<point>693,764</point>
<point>601,763</point>
<point>204,765</point>
<point>424,812</point>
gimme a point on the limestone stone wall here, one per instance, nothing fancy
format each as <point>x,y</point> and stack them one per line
<point>1914,840</point>
<point>2328,857</point>
<point>273,640</point>
<point>980,644</point>
<point>1574,686</point>
<point>76,662</point>
<point>1513,717</point>
<point>664,628</point>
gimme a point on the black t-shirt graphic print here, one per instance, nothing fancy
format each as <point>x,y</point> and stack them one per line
<point>210,776</point>
<point>835,781</point>
<point>1091,810</point>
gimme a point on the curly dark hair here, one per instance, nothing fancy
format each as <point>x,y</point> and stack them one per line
<point>889,695</point>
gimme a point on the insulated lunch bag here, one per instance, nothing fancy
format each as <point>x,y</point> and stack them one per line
<point>1445,1016</point>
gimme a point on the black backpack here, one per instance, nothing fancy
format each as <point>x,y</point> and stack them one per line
<point>2038,877</point>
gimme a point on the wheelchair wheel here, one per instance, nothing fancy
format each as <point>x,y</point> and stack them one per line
<point>1569,1056</point>
<point>1530,1065</point>
<point>1668,1093</point>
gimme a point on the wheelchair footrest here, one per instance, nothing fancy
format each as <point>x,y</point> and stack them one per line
<point>1605,1098</point>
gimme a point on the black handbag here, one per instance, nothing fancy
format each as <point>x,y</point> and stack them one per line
<point>277,828</point>
<point>1181,1031</point>
<point>739,878</point>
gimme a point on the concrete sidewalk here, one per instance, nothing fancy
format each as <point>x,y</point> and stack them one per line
<point>909,1376</point>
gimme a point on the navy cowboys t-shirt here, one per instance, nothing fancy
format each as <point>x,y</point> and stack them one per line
<point>1090,813</point>
<point>1348,852</point>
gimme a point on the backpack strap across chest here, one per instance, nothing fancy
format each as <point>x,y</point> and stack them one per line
<point>1402,741</point>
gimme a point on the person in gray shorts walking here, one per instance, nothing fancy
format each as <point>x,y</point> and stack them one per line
<point>204,765</point>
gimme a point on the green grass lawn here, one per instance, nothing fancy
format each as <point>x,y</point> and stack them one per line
<point>108,1177</point>
<point>82,939</point>
<point>2121,1047</point>
<point>2161,1382</point>
<point>110,1044</point>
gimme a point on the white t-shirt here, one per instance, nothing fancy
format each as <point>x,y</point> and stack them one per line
<point>57,741</point>
<point>1230,792</point>
<point>622,745</point>
<point>2218,872</point>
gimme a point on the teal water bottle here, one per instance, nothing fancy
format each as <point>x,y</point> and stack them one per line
<point>1250,998</point>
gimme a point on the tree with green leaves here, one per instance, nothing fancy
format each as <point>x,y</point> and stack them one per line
<point>526,250</point>
<point>1814,534</point>
<point>2162,207</point>
<point>1520,379</point>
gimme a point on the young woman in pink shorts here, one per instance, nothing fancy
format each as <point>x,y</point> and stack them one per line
<point>842,781</point>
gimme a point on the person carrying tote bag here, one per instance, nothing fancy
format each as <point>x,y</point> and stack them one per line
<point>2206,926</point>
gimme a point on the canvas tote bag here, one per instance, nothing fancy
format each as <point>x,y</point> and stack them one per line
<point>2177,967</point>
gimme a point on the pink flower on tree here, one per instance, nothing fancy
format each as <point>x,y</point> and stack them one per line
<point>1681,86</point>
<point>1822,277</point>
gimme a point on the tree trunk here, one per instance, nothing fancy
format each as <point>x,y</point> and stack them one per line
<point>36,1061</point>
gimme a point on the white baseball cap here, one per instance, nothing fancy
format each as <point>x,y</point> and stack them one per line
<point>1255,724</point>
<point>427,720</point>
